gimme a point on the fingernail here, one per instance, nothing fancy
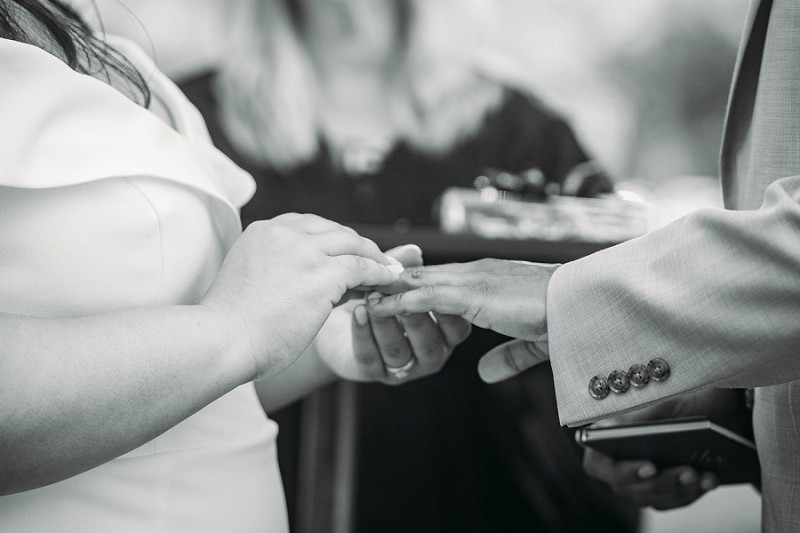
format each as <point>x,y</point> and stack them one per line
<point>488,376</point>
<point>646,471</point>
<point>489,372</point>
<point>687,477</point>
<point>708,483</point>
<point>360,314</point>
<point>374,298</point>
<point>414,247</point>
<point>396,268</point>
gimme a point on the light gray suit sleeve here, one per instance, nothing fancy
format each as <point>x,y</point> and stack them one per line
<point>715,294</point>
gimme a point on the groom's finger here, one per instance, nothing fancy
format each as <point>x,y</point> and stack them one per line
<point>442,300</point>
<point>510,359</point>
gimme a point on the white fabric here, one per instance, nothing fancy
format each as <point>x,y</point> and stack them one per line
<point>104,206</point>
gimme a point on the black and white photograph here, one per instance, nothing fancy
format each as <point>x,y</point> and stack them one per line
<point>399,266</point>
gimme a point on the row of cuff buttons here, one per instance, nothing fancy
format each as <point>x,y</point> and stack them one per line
<point>620,381</point>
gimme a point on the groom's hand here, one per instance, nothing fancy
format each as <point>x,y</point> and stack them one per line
<point>505,296</point>
<point>641,481</point>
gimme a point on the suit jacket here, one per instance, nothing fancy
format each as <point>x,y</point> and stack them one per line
<point>717,293</point>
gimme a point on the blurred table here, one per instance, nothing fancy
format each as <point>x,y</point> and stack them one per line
<point>322,491</point>
<point>438,247</point>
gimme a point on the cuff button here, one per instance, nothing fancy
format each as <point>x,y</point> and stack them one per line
<point>598,387</point>
<point>639,375</point>
<point>658,369</point>
<point>618,382</point>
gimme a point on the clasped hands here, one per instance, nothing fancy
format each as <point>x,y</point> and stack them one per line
<point>419,318</point>
<point>301,267</point>
<point>508,297</point>
<point>281,287</point>
<point>389,348</point>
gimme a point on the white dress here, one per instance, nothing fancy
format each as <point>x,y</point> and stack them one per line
<point>105,206</point>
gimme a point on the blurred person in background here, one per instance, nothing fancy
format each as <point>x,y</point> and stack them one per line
<point>135,314</point>
<point>365,111</point>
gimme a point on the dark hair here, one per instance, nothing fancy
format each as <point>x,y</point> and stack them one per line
<point>84,52</point>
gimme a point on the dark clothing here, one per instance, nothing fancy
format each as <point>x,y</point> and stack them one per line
<point>521,134</point>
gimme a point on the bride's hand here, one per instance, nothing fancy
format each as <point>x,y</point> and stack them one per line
<point>393,349</point>
<point>280,281</point>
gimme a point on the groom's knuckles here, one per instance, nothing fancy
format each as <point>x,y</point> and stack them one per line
<point>439,299</point>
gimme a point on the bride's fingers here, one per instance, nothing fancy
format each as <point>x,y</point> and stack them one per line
<point>337,242</point>
<point>392,342</point>
<point>426,339</point>
<point>311,223</point>
<point>366,354</point>
<point>333,238</point>
<point>357,271</point>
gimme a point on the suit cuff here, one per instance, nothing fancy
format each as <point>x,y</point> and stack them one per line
<point>587,348</point>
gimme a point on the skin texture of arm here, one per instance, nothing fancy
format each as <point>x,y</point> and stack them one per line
<point>100,386</point>
<point>307,374</point>
<point>99,253</point>
<point>76,392</point>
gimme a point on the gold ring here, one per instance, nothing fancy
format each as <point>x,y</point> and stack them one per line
<point>400,372</point>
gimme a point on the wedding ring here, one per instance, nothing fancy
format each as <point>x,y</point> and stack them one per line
<point>400,372</point>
